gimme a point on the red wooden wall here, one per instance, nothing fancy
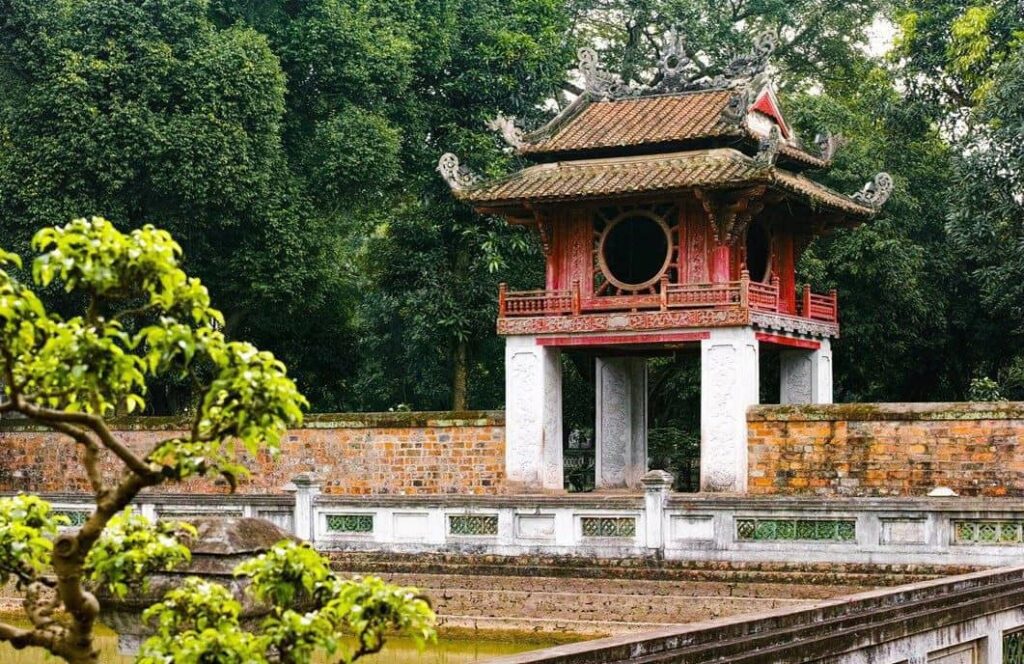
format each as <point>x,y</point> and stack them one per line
<point>701,259</point>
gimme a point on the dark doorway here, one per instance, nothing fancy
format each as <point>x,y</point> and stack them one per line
<point>759,252</point>
<point>673,417</point>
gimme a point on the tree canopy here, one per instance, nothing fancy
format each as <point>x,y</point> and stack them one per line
<point>291,148</point>
<point>141,317</point>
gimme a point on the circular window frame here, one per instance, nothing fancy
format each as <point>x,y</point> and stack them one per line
<point>666,264</point>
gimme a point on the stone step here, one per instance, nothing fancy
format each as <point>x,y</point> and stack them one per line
<point>616,586</point>
<point>811,575</point>
<point>589,628</point>
<point>597,607</point>
<point>634,567</point>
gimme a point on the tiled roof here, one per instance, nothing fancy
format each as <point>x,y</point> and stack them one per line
<point>645,121</point>
<point>623,176</point>
<point>639,121</point>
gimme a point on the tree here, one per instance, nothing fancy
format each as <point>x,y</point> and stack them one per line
<point>141,318</point>
<point>985,223</point>
<point>431,266</point>
<point>949,51</point>
<point>149,110</point>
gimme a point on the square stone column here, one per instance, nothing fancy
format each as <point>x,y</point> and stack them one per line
<point>806,375</point>
<point>533,415</point>
<point>621,431</point>
<point>728,386</point>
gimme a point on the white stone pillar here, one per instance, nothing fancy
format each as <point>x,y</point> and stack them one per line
<point>306,487</point>
<point>533,415</point>
<point>728,386</point>
<point>657,485</point>
<point>620,440</point>
<point>806,375</point>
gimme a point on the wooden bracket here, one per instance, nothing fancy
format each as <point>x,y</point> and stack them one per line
<point>730,212</point>
<point>544,229</point>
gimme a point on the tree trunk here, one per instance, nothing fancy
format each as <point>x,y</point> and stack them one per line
<point>460,376</point>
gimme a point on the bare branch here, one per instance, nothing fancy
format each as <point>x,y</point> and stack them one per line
<point>19,637</point>
<point>93,422</point>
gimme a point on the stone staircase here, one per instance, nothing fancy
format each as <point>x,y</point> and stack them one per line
<point>597,597</point>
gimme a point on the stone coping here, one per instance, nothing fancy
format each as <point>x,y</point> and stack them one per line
<point>187,499</point>
<point>805,503</point>
<point>396,420</point>
<point>826,628</point>
<point>586,501</point>
<point>883,412</point>
<point>582,501</point>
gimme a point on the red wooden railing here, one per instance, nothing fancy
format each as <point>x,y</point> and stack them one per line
<point>819,307</point>
<point>742,294</point>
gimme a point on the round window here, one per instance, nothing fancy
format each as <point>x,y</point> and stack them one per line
<point>635,250</point>
<point>759,252</point>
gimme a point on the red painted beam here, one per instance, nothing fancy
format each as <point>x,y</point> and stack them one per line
<point>790,342</point>
<point>624,339</point>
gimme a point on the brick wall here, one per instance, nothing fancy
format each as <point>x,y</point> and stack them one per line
<point>386,453</point>
<point>887,449</point>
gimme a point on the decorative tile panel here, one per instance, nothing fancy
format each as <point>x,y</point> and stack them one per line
<point>812,530</point>
<point>988,533</point>
<point>485,525</point>
<point>609,526</point>
<point>76,518</point>
<point>350,523</point>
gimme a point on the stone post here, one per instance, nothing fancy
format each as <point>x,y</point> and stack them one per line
<point>533,415</point>
<point>621,433</point>
<point>657,485</point>
<point>306,487</point>
<point>728,386</point>
<point>806,375</point>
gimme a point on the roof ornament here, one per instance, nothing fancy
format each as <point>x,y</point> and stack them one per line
<point>828,144</point>
<point>875,193</point>
<point>675,65</point>
<point>599,82</point>
<point>506,126</point>
<point>739,103</point>
<point>458,177</point>
<point>768,151</point>
<point>745,68</point>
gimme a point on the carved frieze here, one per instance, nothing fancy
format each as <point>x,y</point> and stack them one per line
<point>794,324</point>
<point>623,322</point>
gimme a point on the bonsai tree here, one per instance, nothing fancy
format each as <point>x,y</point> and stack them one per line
<point>143,318</point>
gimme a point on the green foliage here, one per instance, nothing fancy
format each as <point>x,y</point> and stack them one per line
<point>950,50</point>
<point>985,389</point>
<point>94,364</point>
<point>143,318</point>
<point>132,547</point>
<point>312,611</point>
<point>27,528</point>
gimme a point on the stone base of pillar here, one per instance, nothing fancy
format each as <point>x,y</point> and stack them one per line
<point>621,431</point>
<point>729,385</point>
<point>533,416</point>
<point>806,375</point>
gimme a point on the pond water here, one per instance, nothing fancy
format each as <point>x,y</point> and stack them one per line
<point>397,651</point>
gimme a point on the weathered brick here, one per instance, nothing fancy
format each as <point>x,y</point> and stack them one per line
<point>888,449</point>
<point>352,454</point>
